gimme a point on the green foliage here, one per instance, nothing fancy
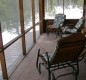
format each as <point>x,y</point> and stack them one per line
<point>27,10</point>
<point>9,11</point>
<point>51,4</point>
<point>9,14</point>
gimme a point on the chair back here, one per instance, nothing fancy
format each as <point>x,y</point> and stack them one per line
<point>77,28</point>
<point>69,48</point>
<point>59,20</point>
<point>80,25</point>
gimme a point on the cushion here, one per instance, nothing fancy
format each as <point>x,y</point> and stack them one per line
<point>74,30</point>
<point>59,19</point>
<point>79,23</point>
<point>67,29</point>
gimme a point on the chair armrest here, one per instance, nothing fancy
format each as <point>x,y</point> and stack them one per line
<point>46,56</point>
<point>49,23</point>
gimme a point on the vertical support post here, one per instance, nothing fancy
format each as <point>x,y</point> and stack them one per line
<point>84,8</point>
<point>22,26</point>
<point>63,6</point>
<point>41,14</point>
<point>84,16</point>
<point>2,57</point>
<point>33,19</point>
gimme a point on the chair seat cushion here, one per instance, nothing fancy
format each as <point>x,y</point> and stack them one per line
<point>69,30</point>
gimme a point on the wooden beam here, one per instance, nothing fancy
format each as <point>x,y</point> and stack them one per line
<point>2,57</point>
<point>41,14</point>
<point>84,8</point>
<point>33,19</point>
<point>22,26</point>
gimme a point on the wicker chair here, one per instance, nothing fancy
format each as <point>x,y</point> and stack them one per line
<point>57,24</point>
<point>65,55</point>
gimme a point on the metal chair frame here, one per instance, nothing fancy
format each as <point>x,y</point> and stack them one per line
<point>74,64</point>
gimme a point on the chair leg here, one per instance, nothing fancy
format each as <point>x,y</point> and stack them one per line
<point>76,77</point>
<point>39,68</point>
<point>75,74</point>
<point>38,65</point>
<point>56,33</point>
<point>53,77</point>
<point>47,31</point>
<point>77,71</point>
<point>49,76</point>
<point>77,68</point>
<point>49,73</point>
<point>37,61</point>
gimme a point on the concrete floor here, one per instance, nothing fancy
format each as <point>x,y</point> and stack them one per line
<point>27,68</point>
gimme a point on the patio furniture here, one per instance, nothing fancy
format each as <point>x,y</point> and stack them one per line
<point>57,24</point>
<point>74,29</point>
<point>65,55</point>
